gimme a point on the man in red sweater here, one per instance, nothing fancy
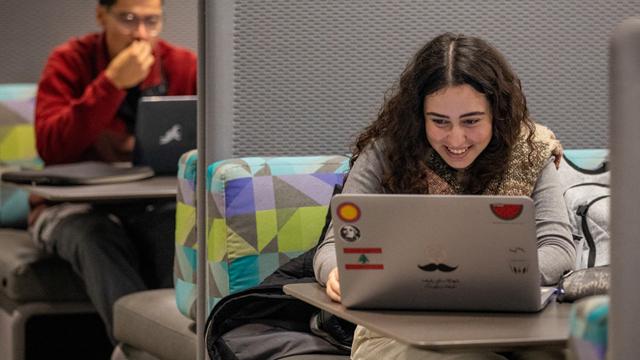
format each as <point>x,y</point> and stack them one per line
<point>85,110</point>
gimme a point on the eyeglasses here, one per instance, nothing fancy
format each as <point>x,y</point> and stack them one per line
<point>131,22</point>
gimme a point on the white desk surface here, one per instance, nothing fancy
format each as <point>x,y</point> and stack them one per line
<point>439,330</point>
<point>159,187</point>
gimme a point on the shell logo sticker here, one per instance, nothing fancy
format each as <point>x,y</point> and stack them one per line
<point>507,211</point>
<point>348,212</point>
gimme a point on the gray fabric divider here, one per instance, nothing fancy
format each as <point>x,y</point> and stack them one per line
<point>625,176</point>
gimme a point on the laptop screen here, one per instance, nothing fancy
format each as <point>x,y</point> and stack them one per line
<point>165,129</point>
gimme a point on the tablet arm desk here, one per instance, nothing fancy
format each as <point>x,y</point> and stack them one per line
<point>438,330</point>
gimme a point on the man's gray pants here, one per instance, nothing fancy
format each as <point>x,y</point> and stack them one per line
<point>118,250</point>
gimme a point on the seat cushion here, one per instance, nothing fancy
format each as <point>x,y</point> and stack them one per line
<point>27,274</point>
<point>150,321</point>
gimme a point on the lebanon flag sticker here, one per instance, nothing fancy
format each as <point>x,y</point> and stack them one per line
<point>506,211</point>
<point>362,259</point>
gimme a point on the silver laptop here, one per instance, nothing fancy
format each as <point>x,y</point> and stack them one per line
<point>165,129</point>
<point>472,253</point>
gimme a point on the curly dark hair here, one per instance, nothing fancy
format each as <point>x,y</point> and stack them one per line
<point>447,60</point>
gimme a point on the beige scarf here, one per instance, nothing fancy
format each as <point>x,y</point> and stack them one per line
<point>522,172</point>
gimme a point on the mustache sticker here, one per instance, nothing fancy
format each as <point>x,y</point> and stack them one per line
<point>519,267</point>
<point>431,267</point>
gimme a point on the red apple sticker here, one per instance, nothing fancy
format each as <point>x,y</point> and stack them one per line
<point>506,211</point>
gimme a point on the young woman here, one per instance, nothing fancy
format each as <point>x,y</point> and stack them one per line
<point>456,123</point>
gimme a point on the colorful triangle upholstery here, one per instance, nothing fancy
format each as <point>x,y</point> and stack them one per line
<point>17,141</point>
<point>17,147</point>
<point>261,213</point>
<point>588,327</point>
<point>185,252</point>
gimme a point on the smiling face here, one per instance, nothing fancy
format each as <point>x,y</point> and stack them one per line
<point>458,124</point>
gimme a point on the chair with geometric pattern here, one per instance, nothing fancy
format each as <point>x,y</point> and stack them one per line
<point>262,212</point>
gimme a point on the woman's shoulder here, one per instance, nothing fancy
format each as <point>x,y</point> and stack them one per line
<point>538,147</point>
<point>528,158</point>
<point>373,152</point>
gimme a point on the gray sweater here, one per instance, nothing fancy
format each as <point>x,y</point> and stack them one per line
<point>556,249</point>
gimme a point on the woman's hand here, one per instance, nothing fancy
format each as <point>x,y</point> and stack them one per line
<point>333,285</point>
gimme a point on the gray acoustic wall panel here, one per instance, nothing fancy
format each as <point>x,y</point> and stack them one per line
<point>294,77</point>
<point>624,317</point>
<point>29,29</point>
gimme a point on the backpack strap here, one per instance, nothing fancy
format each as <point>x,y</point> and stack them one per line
<point>582,212</point>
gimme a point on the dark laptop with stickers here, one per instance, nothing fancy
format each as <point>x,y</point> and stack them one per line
<point>426,252</point>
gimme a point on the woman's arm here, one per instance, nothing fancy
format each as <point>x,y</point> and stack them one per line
<point>365,177</point>
<point>556,249</point>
